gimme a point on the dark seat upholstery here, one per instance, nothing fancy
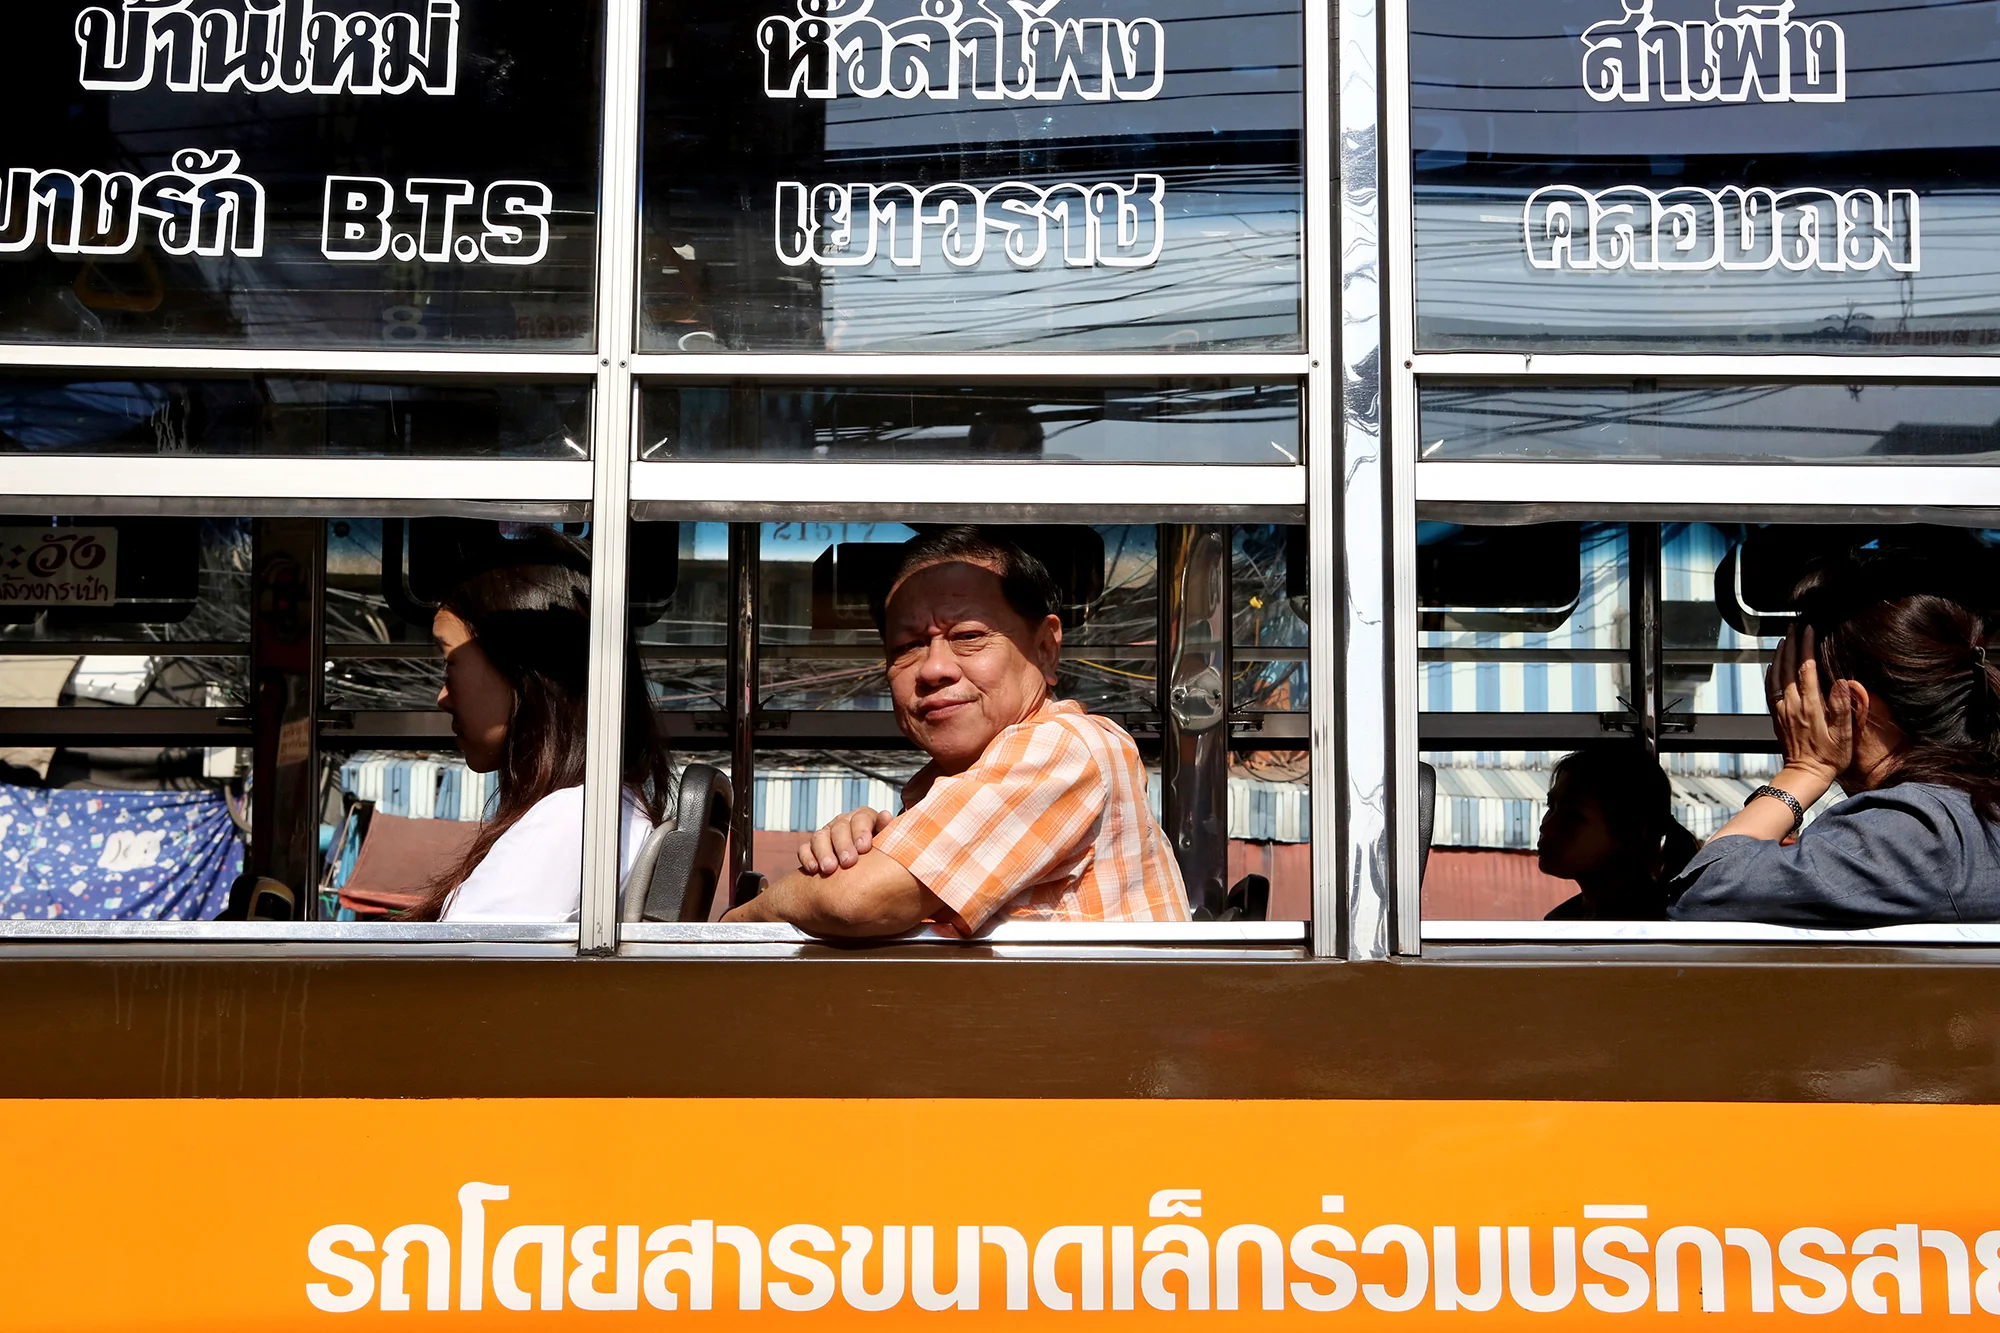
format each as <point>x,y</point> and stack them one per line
<point>681,863</point>
<point>1427,799</point>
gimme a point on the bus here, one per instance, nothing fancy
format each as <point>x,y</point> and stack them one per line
<point>1385,438</point>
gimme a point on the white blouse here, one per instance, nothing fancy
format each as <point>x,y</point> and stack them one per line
<point>535,871</point>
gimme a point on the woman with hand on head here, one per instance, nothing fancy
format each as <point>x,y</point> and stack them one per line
<point>1610,827</point>
<point>516,644</point>
<point>1890,689</point>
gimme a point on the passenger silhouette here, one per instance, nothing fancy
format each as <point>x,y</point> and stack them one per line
<point>1610,827</point>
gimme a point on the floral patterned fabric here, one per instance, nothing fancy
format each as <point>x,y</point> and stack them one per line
<point>115,855</point>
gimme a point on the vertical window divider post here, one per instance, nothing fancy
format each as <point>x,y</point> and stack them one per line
<point>1399,455</point>
<point>1351,713</point>
<point>613,446</point>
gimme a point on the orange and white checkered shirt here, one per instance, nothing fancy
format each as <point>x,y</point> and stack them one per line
<point>1051,823</point>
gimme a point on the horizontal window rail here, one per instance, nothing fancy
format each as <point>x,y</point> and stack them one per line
<point>876,729</point>
<point>859,652</point>
<point>1690,491</point>
<point>1005,932</point>
<point>1696,932</point>
<point>298,932</point>
<point>1676,365</point>
<point>1680,732</point>
<point>317,485</point>
<point>970,492</point>
<point>168,361</point>
<point>965,367</point>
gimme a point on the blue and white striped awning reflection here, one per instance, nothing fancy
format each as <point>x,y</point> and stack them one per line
<point>1496,800</point>
<point>800,800</point>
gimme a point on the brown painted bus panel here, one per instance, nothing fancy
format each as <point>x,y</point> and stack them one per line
<point>1771,1025</point>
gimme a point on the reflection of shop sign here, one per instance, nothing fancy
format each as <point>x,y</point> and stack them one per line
<point>1759,52</point>
<point>361,213</point>
<point>291,46</point>
<point>201,207</point>
<point>1085,226</point>
<point>1737,230</point>
<point>1015,51</point>
<point>58,566</point>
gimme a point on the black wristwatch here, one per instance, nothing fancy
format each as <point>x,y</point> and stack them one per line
<point>1798,811</point>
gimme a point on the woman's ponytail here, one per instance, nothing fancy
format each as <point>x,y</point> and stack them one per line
<point>1985,703</point>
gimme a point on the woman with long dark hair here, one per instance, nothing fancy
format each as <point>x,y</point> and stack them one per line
<point>1889,685</point>
<point>1610,827</point>
<point>516,643</point>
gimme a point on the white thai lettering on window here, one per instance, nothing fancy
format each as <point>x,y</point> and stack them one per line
<point>1079,226</point>
<point>1750,52</point>
<point>1734,229</point>
<point>1007,51</point>
<point>367,219</point>
<point>291,46</point>
<point>202,206</point>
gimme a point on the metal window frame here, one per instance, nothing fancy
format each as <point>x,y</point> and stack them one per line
<point>758,491</point>
<point>1527,491</point>
<point>614,485</point>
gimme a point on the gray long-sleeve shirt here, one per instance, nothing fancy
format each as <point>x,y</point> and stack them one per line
<point>1904,854</point>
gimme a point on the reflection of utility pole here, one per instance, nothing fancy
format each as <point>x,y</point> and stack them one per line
<point>1646,643</point>
<point>286,663</point>
<point>1195,689</point>
<point>745,578</point>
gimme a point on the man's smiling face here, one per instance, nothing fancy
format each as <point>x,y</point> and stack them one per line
<point>963,664</point>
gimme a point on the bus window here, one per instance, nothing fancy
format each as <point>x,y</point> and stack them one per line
<point>798,607</point>
<point>1525,793</point>
<point>371,718</point>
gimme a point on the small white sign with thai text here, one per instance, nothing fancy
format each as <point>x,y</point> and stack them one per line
<point>58,566</point>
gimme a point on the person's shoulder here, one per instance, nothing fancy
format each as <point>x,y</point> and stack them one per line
<point>1095,733</point>
<point>1924,800</point>
<point>560,807</point>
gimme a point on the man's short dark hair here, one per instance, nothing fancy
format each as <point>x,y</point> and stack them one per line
<point>1024,580</point>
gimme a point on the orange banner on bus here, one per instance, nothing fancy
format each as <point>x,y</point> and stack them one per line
<point>917,1214</point>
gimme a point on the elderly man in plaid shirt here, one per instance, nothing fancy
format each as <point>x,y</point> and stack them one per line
<point>1029,807</point>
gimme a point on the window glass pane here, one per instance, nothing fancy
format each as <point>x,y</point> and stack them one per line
<point>1529,619</point>
<point>400,173</point>
<point>294,416</point>
<point>1723,600</point>
<point>1271,607</point>
<point>1170,421</point>
<point>1715,650</point>
<point>828,737</point>
<point>1095,175</point>
<point>1814,177</point>
<point>1646,421</point>
<point>261,697</point>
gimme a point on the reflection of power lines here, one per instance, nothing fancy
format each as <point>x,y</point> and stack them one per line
<point>1472,423</point>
